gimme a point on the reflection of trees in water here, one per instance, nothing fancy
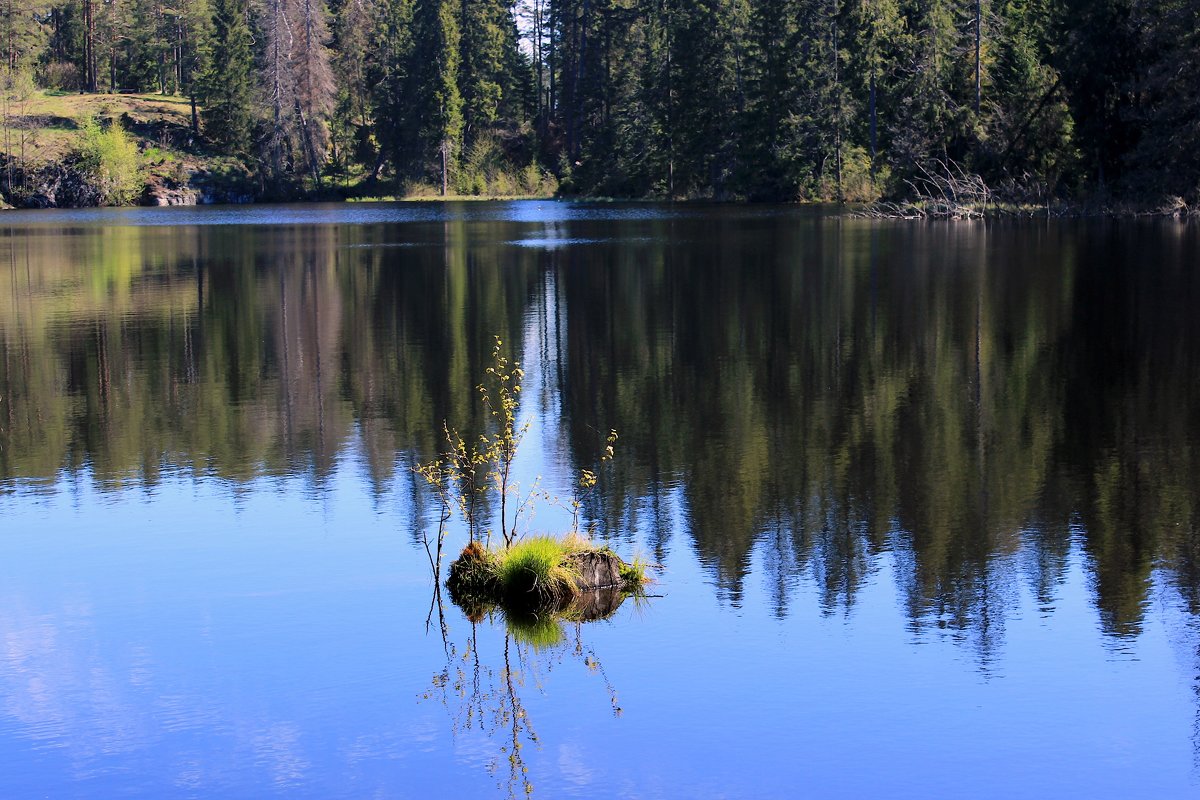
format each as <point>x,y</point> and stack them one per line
<point>971,401</point>
<point>968,399</point>
<point>245,355</point>
<point>197,353</point>
<point>482,693</point>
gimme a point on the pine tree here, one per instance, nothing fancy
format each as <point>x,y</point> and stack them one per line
<point>1030,133</point>
<point>1166,160</point>
<point>483,48</point>
<point>195,37</point>
<point>149,41</point>
<point>315,90</point>
<point>355,43</point>
<point>875,31</point>
<point>21,35</point>
<point>767,131</point>
<point>705,98</point>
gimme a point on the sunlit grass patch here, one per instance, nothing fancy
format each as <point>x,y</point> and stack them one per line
<point>539,567</point>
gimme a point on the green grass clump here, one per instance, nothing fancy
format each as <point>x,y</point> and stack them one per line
<point>473,574</point>
<point>636,573</point>
<point>537,567</point>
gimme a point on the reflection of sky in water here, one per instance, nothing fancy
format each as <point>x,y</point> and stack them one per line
<point>270,641</point>
<point>552,243</point>
<point>357,213</point>
<point>264,634</point>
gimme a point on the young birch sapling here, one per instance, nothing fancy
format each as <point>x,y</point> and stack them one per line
<point>501,401</point>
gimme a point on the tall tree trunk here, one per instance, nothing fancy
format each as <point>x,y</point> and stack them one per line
<point>90,77</point>
<point>579,73</point>
<point>553,57</point>
<point>837,102</point>
<point>538,64</point>
<point>874,125</point>
<point>978,55</point>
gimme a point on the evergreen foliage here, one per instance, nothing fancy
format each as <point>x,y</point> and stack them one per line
<point>227,84</point>
<point>756,99</point>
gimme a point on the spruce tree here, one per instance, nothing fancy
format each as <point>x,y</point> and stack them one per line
<point>391,80</point>
<point>482,48</point>
<point>227,85</point>
<point>432,141</point>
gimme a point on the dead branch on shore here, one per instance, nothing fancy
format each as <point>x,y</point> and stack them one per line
<point>942,190</point>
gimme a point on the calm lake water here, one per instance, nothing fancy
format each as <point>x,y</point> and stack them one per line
<point>926,498</point>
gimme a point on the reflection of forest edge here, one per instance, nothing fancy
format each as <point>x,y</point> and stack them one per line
<point>960,397</point>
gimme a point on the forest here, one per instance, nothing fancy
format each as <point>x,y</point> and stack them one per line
<point>1092,101</point>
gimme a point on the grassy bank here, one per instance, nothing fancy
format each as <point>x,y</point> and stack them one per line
<point>45,125</point>
<point>43,132</point>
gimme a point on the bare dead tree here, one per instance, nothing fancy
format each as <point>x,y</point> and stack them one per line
<point>316,92</point>
<point>299,84</point>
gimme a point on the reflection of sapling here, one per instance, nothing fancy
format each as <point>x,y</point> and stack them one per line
<point>588,479</point>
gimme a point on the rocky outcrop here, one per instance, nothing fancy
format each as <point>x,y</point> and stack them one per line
<point>57,185</point>
<point>65,184</point>
<point>161,191</point>
<point>598,569</point>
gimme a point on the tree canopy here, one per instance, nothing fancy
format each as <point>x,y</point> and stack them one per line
<point>763,99</point>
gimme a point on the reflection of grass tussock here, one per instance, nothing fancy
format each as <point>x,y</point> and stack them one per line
<point>540,631</point>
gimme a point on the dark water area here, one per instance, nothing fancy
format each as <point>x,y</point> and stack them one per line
<point>926,498</point>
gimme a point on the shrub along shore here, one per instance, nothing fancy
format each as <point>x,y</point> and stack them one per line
<point>68,150</point>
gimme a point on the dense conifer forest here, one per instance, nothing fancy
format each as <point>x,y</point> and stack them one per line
<point>1088,100</point>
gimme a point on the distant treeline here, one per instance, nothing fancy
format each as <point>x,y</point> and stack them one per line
<point>763,99</point>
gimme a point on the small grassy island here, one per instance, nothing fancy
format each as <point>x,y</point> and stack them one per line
<point>567,576</point>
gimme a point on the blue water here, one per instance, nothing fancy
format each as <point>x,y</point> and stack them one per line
<point>211,581</point>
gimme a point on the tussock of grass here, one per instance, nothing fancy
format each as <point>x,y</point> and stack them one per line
<point>473,574</point>
<point>538,566</point>
<point>636,573</point>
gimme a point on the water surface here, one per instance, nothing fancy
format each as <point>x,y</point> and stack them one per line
<point>927,499</point>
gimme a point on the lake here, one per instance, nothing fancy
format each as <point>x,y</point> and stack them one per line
<point>925,498</point>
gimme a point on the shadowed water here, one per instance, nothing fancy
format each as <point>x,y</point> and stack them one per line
<point>927,499</point>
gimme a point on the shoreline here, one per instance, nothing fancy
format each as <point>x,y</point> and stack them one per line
<point>898,211</point>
